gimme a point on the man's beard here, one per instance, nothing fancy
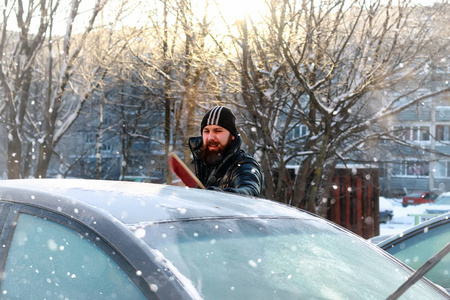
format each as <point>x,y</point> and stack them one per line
<point>214,157</point>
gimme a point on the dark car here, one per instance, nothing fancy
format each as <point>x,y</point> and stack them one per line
<point>386,210</point>
<point>419,197</point>
<point>87,239</point>
<point>416,245</point>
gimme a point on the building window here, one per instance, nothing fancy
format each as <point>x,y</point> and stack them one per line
<point>411,168</point>
<point>91,138</point>
<point>158,133</point>
<point>414,133</point>
<point>418,169</point>
<point>299,131</point>
<point>444,99</point>
<point>442,169</point>
<point>443,133</point>
<point>107,121</point>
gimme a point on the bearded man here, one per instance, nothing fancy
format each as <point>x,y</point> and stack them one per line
<point>219,161</point>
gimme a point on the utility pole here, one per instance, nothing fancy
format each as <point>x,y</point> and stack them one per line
<point>432,163</point>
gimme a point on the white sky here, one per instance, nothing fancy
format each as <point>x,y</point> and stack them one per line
<point>231,9</point>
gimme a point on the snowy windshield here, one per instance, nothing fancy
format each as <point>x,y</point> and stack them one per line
<point>443,200</point>
<point>278,259</point>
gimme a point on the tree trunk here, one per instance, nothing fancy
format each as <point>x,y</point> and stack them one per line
<point>301,183</point>
<point>14,155</point>
<point>317,179</point>
<point>45,149</point>
<point>167,102</point>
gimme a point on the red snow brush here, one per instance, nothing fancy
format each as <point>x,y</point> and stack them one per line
<point>183,172</point>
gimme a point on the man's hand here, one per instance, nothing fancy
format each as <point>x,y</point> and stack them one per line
<point>214,188</point>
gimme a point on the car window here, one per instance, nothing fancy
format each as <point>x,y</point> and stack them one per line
<point>414,195</point>
<point>279,259</point>
<point>443,200</point>
<point>417,249</point>
<point>50,261</point>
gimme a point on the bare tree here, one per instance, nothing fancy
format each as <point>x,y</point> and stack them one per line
<point>181,66</point>
<point>46,77</point>
<point>324,65</point>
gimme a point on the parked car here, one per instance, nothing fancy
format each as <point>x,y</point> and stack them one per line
<point>416,245</point>
<point>441,205</point>
<point>87,239</point>
<point>419,197</point>
<point>386,210</point>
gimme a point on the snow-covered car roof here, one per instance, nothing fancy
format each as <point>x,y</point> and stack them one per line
<point>134,203</point>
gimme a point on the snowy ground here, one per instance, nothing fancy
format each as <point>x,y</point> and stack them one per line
<point>401,220</point>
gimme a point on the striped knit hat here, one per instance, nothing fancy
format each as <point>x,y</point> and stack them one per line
<point>221,116</point>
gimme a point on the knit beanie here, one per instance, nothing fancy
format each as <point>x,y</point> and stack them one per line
<point>221,116</point>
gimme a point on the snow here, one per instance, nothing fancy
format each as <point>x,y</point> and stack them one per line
<point>385,204</point>
<point>402,218</point>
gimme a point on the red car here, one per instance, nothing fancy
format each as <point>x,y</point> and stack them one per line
<point>419,197</point>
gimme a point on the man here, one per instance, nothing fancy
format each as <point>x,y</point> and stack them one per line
<point>219,161</point>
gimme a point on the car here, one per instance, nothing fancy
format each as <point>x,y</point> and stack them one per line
<point>386,210</point>
<point>419,243</point>
<point>440,206</point>
<point>94,239</point>
<point>419,197</point>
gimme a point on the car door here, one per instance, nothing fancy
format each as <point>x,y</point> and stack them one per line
<point>50,256</point>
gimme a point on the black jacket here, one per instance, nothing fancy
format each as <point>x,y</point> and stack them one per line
<point>237,173</point>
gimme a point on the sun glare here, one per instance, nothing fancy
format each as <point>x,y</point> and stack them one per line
<point>234,10</point>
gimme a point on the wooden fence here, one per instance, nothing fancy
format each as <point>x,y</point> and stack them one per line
<point>354,201</point>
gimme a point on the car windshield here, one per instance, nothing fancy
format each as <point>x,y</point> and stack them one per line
<point>278,259</point>
<point>415,195</point>
<point>443,200</point>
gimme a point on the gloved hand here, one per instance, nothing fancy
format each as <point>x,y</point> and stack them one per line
<point>214,188</point>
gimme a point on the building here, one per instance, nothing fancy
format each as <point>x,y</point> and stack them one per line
<point>427,127</point>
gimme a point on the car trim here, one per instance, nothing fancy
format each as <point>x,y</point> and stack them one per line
<point>413,231</point>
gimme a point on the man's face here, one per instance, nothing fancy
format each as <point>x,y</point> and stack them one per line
<point>215,141</point>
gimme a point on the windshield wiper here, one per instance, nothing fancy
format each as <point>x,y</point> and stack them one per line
<point>420,272</point>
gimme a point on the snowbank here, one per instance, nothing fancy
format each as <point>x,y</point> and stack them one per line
<point>402,218</point>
